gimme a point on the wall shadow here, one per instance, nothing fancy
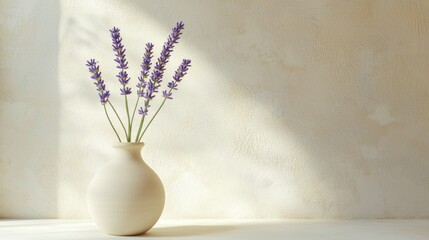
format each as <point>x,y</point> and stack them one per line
<point>339,117</point>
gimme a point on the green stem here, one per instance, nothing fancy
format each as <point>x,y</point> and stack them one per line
<point>162,104</point>
<point>111,124</point>
<point>134,111</point>
<point>140,127</point>
<point>128,117</point>
<point>116,113</point>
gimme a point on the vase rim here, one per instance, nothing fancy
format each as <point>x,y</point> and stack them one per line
<point>128,144</point>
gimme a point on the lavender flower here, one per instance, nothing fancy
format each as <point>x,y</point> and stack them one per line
<point>98,81</point>
<point>123,77</point>
<point>149,94</point>
<point>172,85</point>
<point>157,74</point>
<point>118,47</point>
<point>148,84</point>
<point>125,91</point>
<point>104,97</point>
<point>177,78</point>
<point>181,71</point>
<point>143,111</point>
<point>167,94</point>
<point>147,58</point>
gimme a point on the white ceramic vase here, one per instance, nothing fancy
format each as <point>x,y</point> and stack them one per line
<point>126,197</point>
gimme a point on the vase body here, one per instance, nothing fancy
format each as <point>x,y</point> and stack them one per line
<point>126,197</point>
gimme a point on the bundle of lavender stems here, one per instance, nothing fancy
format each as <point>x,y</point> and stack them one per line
<point>148,83</point>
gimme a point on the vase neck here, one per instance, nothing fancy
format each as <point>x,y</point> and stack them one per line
<point>130,151</point>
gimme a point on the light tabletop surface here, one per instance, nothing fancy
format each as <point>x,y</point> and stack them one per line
<point>225,229</point>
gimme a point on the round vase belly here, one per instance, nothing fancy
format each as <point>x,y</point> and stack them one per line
<point>126,197</point>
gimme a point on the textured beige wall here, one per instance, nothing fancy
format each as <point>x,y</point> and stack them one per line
<point>29,106</point>
<point>291,108</point>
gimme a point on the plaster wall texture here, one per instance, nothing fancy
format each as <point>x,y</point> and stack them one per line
<point>292,109</point>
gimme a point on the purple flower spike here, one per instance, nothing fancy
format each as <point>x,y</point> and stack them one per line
<point>119,49</point>
<point>94,69</point>
<point>147,58</point>
<point>181,71</point>
<point>104,97</point>
<point>123,77</point>
<point>148,94</point>
<point>125,91</point>
<point>167,94</point>
<point>159,68</point>
<point>177,78</point>
<point>172,85</point>
<point>143,111</point>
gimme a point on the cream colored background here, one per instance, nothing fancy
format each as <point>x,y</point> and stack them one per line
<point>308,109</point>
